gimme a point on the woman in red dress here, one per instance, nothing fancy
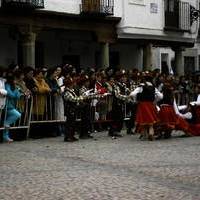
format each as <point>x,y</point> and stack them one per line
<point>146,114</point>
<point>169,119</point>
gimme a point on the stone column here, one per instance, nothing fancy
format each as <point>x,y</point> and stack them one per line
<point>28,48</point>
<point>179,62</point>
<point>147,57</point>
<point>105,55</point>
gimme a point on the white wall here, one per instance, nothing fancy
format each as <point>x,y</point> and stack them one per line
<point>137,17</point>
<point>65,6</point>
<point>138,21</point>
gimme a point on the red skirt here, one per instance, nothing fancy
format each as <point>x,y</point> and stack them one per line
<point>146,113</point>
<point>167,116</point>
<point>197,114</point>
<point>170,119</point>
<point>194,129</point>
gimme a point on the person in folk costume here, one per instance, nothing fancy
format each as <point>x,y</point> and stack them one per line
<point>92,81</point>
<point>168,115</point>
<point>99,83</point>
<point>194,121</point>
<point>123,84</point>
<point>71,103</point>
<point>146,114</point>
<point>134,80</point>
<point>85,106</point>
<point>109,85</point>
<point>195,106</point>
<point>119,98</point>
<point>101,105</point>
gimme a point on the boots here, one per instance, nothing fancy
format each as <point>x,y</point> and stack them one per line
<point>70,136</point>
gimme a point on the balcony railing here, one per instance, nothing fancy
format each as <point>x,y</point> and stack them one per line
<point>97,7</point>
<point>177,17</point>
<point>32,4</point>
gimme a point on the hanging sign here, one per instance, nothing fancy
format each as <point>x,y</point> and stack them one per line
<point>153,7</point>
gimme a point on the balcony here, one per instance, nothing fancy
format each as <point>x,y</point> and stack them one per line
<point>177,16</point>
<point>97,7</point>
<point>22,4</point>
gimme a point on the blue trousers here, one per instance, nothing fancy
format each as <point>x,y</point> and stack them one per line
<point>12,116</point>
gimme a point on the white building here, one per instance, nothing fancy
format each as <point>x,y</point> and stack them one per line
<point>126,33</point>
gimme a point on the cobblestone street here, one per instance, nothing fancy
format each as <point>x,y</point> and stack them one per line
<point>101,169</point>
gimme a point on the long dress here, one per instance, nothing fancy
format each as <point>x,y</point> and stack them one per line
<point>59,104</point>
<point>40,98</point>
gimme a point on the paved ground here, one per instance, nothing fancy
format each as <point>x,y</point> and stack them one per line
<point>101,169</point>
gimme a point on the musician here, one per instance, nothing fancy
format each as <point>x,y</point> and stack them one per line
<point>71,103</point>
<point>85,106</point>
<point>134,82</point>
<point>120,96</point>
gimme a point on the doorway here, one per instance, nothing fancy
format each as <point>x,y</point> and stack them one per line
<point>189,64</point>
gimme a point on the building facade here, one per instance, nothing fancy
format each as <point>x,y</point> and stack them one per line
<point>143,34</point>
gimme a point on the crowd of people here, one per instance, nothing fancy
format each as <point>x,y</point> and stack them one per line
<point>152,99</point>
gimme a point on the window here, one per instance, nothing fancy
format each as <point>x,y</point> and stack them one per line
<point>171,14</point>
<point>170,5</point>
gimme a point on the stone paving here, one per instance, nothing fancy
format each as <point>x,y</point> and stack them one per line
<point>101,169</point>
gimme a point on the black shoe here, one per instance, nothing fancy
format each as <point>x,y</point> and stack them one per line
<point>158,136</point>
<point>167,135</point>
<point>75,139</point>
<point>70,139</point>
<point>151,137</point>
<point>83,137</point>
<point>129,132</point>
<point>90,136</point>
<point>117,135</point>
<point>110,133</point>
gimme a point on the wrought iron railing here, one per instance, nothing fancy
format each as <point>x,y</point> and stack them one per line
<point>23,3</point>
<point>178,16</point>
<point>97,7</point>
